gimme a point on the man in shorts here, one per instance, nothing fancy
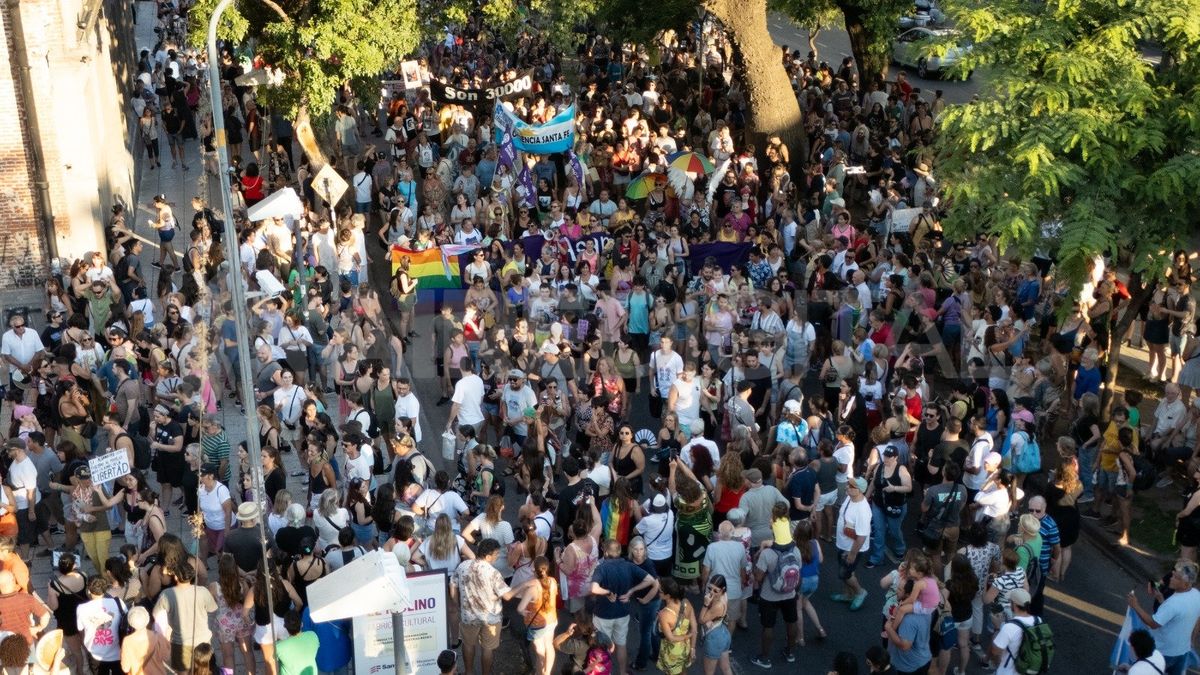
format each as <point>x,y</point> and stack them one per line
<point>772,603</point>
<point>853,540</point>
<point>479,589</point>
<point>616,578</point>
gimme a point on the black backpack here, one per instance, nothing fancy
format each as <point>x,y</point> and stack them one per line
<point>404,469</point>
<point>141,451</point>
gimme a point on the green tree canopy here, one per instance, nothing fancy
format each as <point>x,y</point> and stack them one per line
<point>1078,128</point>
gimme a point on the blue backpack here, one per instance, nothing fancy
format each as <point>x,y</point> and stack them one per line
<point>1029,460</point>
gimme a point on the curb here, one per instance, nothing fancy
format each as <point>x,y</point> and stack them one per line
<point>1137,565</point>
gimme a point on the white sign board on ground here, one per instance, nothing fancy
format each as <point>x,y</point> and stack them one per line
<point>109,467</point>
<point>426,630</point>
<point>329,184</point>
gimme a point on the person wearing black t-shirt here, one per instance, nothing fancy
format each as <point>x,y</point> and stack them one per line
<point>166,444</point>
<point>242,542</point>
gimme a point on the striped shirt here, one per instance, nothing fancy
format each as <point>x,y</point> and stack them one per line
<point>1050,539</point>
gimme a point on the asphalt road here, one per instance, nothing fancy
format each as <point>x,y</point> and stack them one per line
<point>833,45</point>
<point>1085,611</point>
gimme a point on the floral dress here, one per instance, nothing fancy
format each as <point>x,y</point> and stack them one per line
<point>232,624</point>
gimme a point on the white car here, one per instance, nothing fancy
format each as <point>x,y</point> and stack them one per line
<point>915,48</point>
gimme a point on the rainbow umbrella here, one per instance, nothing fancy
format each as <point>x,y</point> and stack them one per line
<point>690,162</point>
<point>644,184</point>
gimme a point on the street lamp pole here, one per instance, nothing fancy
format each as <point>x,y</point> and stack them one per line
<point>237,284</point>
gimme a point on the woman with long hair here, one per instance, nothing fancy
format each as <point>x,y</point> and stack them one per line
<point>1062,496</point>
<point>490,524</point>
<point>444,550</point>
<point>628,461</point>
<point>810,570</point>
<point>731,485</point>
<point>579,558</point>
<point>984,558</point>
<point>233,626</point>
<point>171,554</point>
<point>268,621</point>
<point>538,606</point>
<point>362,512</point>
<point>961,588</point>
<point>619,513</point>
<point>717,639</point>
<point>329,519</point>
<point>521,554</point>
<point>693,523</point>
<point>320,473</point>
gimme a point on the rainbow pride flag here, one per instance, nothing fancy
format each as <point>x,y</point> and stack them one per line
<point>435,267</point>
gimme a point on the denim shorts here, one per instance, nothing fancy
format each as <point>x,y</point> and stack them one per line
<point>808,586</point>
<point>1106,480</point>
<point>717,642</point>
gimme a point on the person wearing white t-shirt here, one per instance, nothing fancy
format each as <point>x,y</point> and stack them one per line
<point>974,473</point>
<point>683,397</point>
<point>1174,622</point>
<point>1007,642</point>
<point>696,428</point>
<point>19,347</point>
<point>853,540</point>
<point>1147,659</point>
<point>99,619</point>
<point>435,502</point>
<point>360,457</point>
<point>466,404</point>
<point>843,456</point>
<point>665,366</point>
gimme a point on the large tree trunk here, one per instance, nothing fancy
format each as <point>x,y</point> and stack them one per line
<point>773,105</point>
<point>1139,295</point>
<point>872,61</point>
<point>812,39</point>
<point>307,138</point>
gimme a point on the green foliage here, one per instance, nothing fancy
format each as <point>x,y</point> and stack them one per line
<point>811,15</point>
<point>320,45</point>
<point>1077,127</point>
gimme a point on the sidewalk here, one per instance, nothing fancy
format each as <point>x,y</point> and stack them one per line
<point>1138,559</point>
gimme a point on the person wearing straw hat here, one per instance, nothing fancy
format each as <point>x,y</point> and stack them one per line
<point>243,541</point>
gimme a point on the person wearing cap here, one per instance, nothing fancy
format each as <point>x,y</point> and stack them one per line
<point>995,499</point>
<point>551,366</point>
<point>1002,655</point>
<point>143,651</point>
<point>792,428</point>
<point>93,509</point>
<point>852,540</point>
<point>216,506</point>
<point>1173,623</point>
<point>758,503</point>
<point>888,489</point>
<point>515,402</point>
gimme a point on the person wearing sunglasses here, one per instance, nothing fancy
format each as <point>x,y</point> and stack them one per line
<point>22,349</point>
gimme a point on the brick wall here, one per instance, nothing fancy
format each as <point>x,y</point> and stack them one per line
<point>21,245</point>
<point>80,87</point>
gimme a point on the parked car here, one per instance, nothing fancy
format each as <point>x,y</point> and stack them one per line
<point>915,48</point>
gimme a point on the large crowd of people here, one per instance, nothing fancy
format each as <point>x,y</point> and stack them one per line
<point>646,451</point>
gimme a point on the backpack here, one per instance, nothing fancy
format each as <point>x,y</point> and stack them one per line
<point>1145,473</point>
<point>1030,459</point>
<point>1033,572</point>
<point>141,451</point>
<point>404,469</point>
<point>785,578</point>
<point>1036,652</point>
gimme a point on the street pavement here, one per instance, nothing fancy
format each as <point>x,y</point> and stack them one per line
<point>1085,611</point>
